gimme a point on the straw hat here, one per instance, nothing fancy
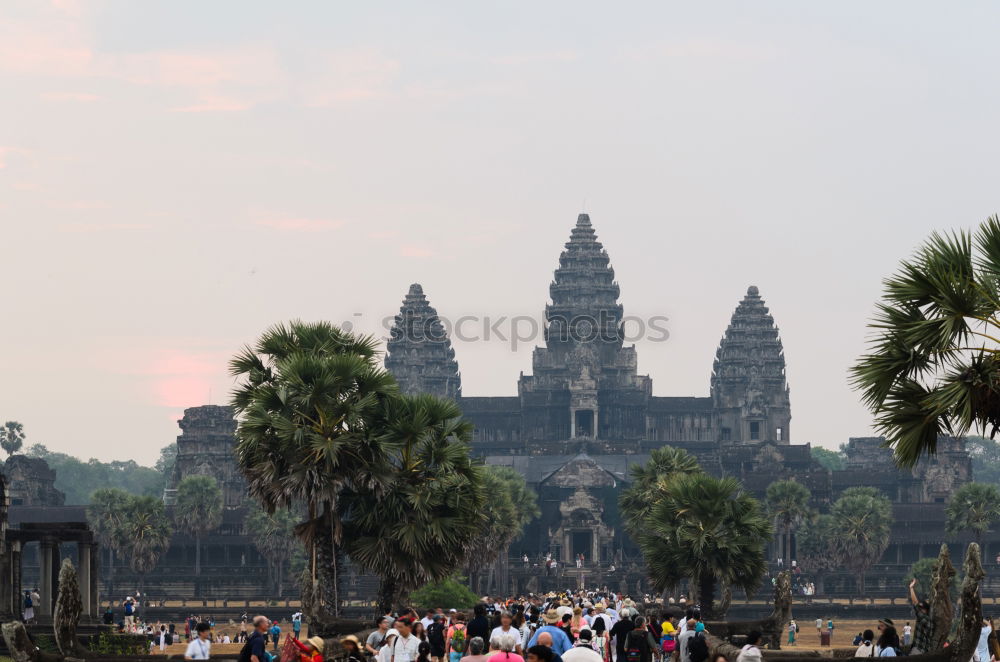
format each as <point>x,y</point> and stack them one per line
<point>318,643</point>
<point>551,616</point>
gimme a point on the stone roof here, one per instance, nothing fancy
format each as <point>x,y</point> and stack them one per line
<point>419,353</point>
<point>750,349</point>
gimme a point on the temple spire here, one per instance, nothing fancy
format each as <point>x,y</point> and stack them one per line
<point>419,353</point>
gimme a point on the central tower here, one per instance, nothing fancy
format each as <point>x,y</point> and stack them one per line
<point>585,384</point>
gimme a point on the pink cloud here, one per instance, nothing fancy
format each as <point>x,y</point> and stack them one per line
<point>86,228</point>
<point>213,105</point>
<point>382,234</point>
<point>301,224</point>
<point>412,250</point>
<point>70,96</point>
<point>79,205</point>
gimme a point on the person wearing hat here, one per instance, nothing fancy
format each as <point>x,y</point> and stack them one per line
<point>311,650</point>
<point>560,642</point>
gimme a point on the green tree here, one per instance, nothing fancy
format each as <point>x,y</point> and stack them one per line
<point>416,530</point>
<point>973,507</point>
<point>450,593</point>
<point>708,530</point>
<point>274,536</point>
<point>146,531</point>
<point>828,459</point>
<point>923,572</point>
<point>862,518</point>
<point>198,510</point>
<point>650,481</point>
<point>168,458</point>
<point>934,361</point>
<point>985,454</point>
<point>105,516</point>
<point>817,549</point>
<point>309,400</point>
<point>788,504</point>
<point>11,437</point>
<point>76,478</point>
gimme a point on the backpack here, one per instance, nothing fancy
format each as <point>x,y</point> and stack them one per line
<point>458,640</point>
<point>668,643</point>
<point>247,651</point>
<point>28,604</point>
<point>636,652</point>
<point>697,648</point>
<point>168,639</point>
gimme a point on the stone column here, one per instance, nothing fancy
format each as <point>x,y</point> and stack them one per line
<point>95,575</point>
<point>83,551</point>
<point>46,582</point>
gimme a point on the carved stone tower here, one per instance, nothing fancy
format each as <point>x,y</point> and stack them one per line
<point>749,390</point>
<point>419,353</point>
<point>205,448</point>
<point>584,384</point>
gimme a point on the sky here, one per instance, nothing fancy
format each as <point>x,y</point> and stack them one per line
<point>177,176</point>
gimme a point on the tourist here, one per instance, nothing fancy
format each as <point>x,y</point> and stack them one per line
<point>311,650</point>
<point>275,633</point>
<point>545,639</point>
<point>377,638</point>
<point>792,629</point>
<point>505,644</point>
<point>435,637</point>
<point>419,631</point>
<point>618,633</point>
<point>201,646</point>
<point>867,646</point>
<point>109,616</point>
<point>667,633</point>
<point>457,638</point>
<point>128,606</point>
<point>697,646</point>
<point>477,651</point>
<point>907,635</point>
<point>507,627</point>
<point>640,646</point>
<point>162,638</point>
<point>479,626</point>
<point>385,652</point>
<point>819,630</point>
<point>582,650</point>
<point>428,618</point>
<point>29,608</point>
<point>602,639</point>
<point>682,641</point>
<point>983,645</point>
<point>352,649</point>
<point>888,642</point>
<point>255,649</point>
<point>577,622</point>
<point>750,651</point>
<point>406,645</point>
<point>561,642</point>
<point>524,629</point>
<point>540,654</point>
<point>296,624</point>
<point>567,628</point>
<point>829,629</point>
<point>923,631</point>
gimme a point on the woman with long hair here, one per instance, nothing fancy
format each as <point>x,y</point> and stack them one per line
<point>888,642</point>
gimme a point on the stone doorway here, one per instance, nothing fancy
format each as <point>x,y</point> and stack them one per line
<point>583,543</point>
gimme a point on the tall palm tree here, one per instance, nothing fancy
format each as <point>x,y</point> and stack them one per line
<point>816,549</point>
<point>862,518</point>
<point>708,530</point>
<point>105,515</point>
<point>146,530</point>
<point>416,530</point>
<point>309,400</point>
<point>11,437</point>
<point>973,507</point>
<point>274,536</point>
<point>198,510</point>
<point>650,481</point>
<point>788,503</point>
<point>934,362</point>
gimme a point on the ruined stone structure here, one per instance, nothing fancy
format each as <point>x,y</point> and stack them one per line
<point>205,448</point>
<point>585,415</point>
<point>418,352</point>
<point>31,482</point>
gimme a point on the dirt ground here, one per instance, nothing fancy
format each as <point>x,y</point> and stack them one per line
<point>231,629</point>
<point>843,634</point>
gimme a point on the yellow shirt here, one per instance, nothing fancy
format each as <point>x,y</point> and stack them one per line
<point>667,628</point>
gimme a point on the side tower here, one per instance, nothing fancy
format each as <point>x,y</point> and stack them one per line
<point>749,390</point>
<point>205,448</point>
<point>419,353</point>
<point>584,384</point>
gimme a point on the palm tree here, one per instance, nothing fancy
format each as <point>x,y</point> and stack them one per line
<point>649,482</point>
<point>274,536</point>
<point>862,518</point>
<point>146,530</point>
<point>309,399</point>
<point>104,516</point>
<point>708,530</point>
<point>788,503</point>
<point>11,437</point>
<point>198,510</point>
<point>934,362</point>
<point>974,506</point>
<point>416,530</point>
<point>816,549</point>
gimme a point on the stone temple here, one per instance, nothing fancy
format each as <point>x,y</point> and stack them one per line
<point>585,415</point>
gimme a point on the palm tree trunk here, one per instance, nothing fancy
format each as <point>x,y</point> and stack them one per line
<point>788,546</point>
<point>706,594</point>
<point>197,554</point>
<point>387,591</point>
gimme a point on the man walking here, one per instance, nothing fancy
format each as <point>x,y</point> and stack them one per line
<point>255,650</point>
<point>201,647</point>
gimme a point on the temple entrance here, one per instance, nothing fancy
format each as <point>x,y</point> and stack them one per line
<point>582,543</point>
<point>584,423</point>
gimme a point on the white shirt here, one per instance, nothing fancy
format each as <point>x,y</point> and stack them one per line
<point>498,631</point>
<point>426,622</point>
<point>405,650</point>
<point>581,654</point>
<point>199,649</point>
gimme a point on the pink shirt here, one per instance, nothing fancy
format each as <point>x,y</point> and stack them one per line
<point>505,657</point>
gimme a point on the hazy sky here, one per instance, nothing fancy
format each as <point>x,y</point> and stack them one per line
<point>177,176</point>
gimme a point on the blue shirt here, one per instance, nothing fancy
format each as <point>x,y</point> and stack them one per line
<point>560,642</point>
